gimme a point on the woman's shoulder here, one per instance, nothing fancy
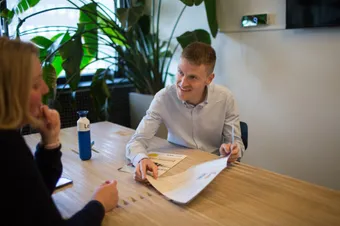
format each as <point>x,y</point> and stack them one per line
<point>11,139</point>
<point>9,135</point>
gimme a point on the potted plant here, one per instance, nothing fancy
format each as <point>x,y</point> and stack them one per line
<point>142,57</point>
<point>75,47</point>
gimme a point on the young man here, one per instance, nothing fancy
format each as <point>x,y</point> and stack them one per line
<point>197,114</point>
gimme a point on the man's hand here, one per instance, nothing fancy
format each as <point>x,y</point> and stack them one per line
<point>225,150</point>
<point>142,167</point>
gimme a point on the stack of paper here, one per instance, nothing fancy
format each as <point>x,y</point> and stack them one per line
<point>183,187</point>
<point>164,162</point>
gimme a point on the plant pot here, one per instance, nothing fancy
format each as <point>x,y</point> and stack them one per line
<point>139,104</point>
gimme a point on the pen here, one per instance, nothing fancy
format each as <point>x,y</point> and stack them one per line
<point>232,134</point>
<point>232,137</point>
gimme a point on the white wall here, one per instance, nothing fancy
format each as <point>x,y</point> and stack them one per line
<point>287,84</point>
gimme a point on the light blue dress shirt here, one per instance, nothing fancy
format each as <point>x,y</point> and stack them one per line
<point>204,126</point>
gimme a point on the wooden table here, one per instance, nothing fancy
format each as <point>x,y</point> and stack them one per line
<point>240,195</point>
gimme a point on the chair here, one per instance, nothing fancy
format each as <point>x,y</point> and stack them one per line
<point>244,134</point>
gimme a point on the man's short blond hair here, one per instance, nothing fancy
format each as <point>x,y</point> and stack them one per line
<point>15,82</point>
<point>199,53</point>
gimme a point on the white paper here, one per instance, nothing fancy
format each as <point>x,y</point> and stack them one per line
<point>185,186</point>
<point>164,162</point>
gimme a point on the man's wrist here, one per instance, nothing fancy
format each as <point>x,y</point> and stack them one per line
<point>138,158</point>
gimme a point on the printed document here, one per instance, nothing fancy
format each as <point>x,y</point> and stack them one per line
<point>164,162</point>
<point>183,187</point>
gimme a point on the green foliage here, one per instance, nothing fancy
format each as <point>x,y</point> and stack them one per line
<point>142,57</point>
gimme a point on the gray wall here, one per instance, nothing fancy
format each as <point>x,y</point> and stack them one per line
<point>286,83</point>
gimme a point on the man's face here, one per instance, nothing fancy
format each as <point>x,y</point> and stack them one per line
<point>191,81</point>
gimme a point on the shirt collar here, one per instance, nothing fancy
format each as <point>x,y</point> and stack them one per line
<point>203,103</point>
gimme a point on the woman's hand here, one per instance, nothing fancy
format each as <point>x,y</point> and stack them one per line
<point>50,126</point>
<point>107,195</point>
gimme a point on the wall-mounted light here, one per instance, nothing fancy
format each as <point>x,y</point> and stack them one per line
<point>254,20</point>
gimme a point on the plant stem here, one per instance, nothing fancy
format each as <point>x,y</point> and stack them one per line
<point>153,16</point>
<point>37,28</point>
<point>101,16</point>
<point>99,4</point>
<point>157,34</point>
<point>40,12</point>
<point>167,68</point>
<point>169,42</point>
<point>37,32</point>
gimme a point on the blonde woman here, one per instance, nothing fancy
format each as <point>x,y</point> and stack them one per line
<point>30,180</point>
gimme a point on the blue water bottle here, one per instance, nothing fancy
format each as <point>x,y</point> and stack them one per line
<point>84,136</point>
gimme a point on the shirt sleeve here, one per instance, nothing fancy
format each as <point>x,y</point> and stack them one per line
<point>146,130</point>
<point>26,190</point>
<point>232,118</point>
<point>49,165</point>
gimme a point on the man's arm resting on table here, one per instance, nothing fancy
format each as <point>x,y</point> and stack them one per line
<point>136,148</point>
<point>146,130</point>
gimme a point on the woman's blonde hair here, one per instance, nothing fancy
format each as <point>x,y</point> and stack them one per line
<point>15,82</point>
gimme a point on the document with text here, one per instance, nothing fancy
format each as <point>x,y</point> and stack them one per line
<point>183,187</point>
<point>164,162</point>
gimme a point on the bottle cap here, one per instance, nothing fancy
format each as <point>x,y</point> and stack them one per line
<point>82,113</point>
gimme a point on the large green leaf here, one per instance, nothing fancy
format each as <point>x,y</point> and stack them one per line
<point>57,64</point>
<point>87,58</point>
<point>24,5</point>
<point>57,36</point>
<point>59,40</point>
<point>88,17</point>
<point>198,35</point>
<point>19,8</point>
<point>49,49</point>
<point>111,30</point>
<point>72,54</point>
<point>87,54</point>
<point>128,17</point>
<point>66,37</point>
<point>43,44</point>
<point>99,90</point>
<point>57,60</point>
<point>210,9</point>
<point>50,78</point>
<point>42,41</point>
<point>144,23</point>
<point>8,14</point>
<point>192,2</point>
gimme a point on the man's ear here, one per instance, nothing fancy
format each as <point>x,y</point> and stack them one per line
<point>210,78</point>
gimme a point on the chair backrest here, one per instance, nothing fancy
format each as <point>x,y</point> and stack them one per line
<point>244,134</point>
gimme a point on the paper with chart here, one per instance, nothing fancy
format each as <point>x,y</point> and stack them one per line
<point>183,187</point>
<point>164,162</point>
